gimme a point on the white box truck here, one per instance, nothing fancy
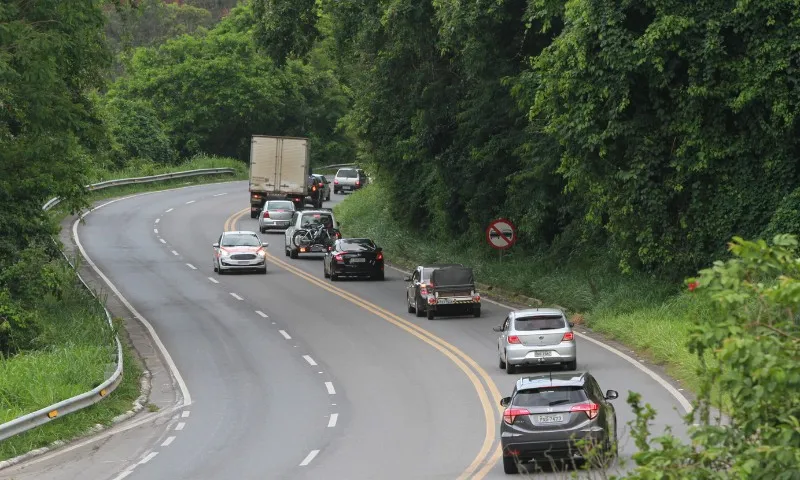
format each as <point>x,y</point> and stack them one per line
<point>279,169</point>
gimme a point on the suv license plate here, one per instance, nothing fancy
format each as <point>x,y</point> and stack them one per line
<point>358,260</point>
<point>443,301</point>
<point>546,353</point>
<point>549,419</point>
<point>347,188</point>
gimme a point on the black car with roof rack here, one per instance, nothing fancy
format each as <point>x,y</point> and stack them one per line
<point>558,416</point>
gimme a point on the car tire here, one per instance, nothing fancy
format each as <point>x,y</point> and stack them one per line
<point>263,271</point>
<point>573,365</point>
<point>510,369</point>
<point>325,272</point>
<point>408,305</point>
<point>262,230</point>
<point>502,363</point>
<point>476,312</point>
<point>253,214</point>
<point>420,311</point>
<point>334,277</point>
<point>379,276</point>
<point>510,465</point>
<point>215,269</point>
<point>292,253</point>
<point>286,251</point>
<point>431,314</point>
<point>220,271</point>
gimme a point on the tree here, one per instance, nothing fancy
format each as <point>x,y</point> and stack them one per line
<point>286,29</point>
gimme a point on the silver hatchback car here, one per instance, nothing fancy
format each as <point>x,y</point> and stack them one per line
<point>276,214</point>
<point>536,336</point>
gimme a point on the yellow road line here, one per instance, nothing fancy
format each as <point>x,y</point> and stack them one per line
<point>447,349</point>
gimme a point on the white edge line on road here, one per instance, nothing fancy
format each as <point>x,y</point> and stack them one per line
<point>147,458</point>
<point>259,312</point>
<point>221,194</point>
<point>176,374</point>
<point>285,335</point>
<point>180,426</point>
<point>329,386</point>
<point>237,297</point>
<point>332,420</point>
<point>123,474</point>
<point>168,441</point>
<point>162,240</point>
<point>191,266</point>
<point>685,403</point>
<point>309,360</point>
<point>190,201</point>
<point>213,280</point>
<point>171,209</point>
<point>185,414</point>
<point>175,253</point>
<point>309,457</point>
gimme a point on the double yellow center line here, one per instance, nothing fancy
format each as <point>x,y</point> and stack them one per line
<point>487,391</point>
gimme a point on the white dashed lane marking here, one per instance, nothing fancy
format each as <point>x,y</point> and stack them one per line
<point>149,457</point>
<point>186,414</point>
<point>170,440</point>
<point>285,335</point>
<point>329,386</point>
<point>171,209</point>
<point>190,201</point>
<point>309,457</point>
<point>332,420</point>
<point>191,266</point>
<point>309,360</point>
<point>212,280</point>
<point>220,194</point>
<point>162,240</point>
<point>157,220</point>
<point>180,426</point>
<point>237,297</point>
<point>262,314</point>
<point>155,230</point>
<point>175,253</point>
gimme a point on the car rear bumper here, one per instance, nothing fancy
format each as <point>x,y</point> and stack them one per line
<point>451,303</point>
<point>541,355</point>
<point>284,224</point>
<point>562,444</point>
<point>366,269</point>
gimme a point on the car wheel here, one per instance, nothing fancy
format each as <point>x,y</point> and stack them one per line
<point>253,214</point>
<point>510,465</point>
<point>431,314</point>
<point>263,271</point>
<point>379,276</point>
<point>510,369</point>
<point>262,230</point>
<point>220,271</point>
<point>325,272</point>
<point>418,309</point>
<point>215,269</point>
<point>292,253</point>
<point>502,363</point>
<point>334,277</point>
<point>408,305</point>
<point>476,312</point>
<point>573,365</point>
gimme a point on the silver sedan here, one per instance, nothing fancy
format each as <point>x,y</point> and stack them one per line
<point>276,214</point>
<point>240,251</point>
<point>536,336</point>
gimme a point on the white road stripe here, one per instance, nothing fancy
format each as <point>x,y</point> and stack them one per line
<point>285,335</point>
<point>158,220</point>
<point>175,253</point>
<point>149,457</point>
<point>186,413</point>
<point>180,426</point>
<point>329,386</point>
<point>170,440</point>
<point>237,297</point>
<point>155,230</point>
<point>309,360</point>
<point>162,240</point>
<point>190,201</point>
<point>332,420</point>
<point>213,280</point>
<point>220,194</point>
<point>123,474</point>
<point>171,209</point>
<point>309,457</point>
<point>262,314</point>
<point>191,266</point>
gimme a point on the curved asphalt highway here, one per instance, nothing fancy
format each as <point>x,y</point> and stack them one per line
<point>293,376</point>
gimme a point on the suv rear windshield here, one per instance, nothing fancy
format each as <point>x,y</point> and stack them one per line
<point>357,245</point>
<point>549,396</point>
<point>311,219</point>
<point>539,322</point>
<point>279,205</point>
<point>347,173</point>
<point>240,240</point>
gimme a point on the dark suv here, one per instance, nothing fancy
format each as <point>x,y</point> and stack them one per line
<point>547,414</point>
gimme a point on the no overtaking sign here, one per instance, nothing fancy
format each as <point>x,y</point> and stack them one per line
<point>501,234</point>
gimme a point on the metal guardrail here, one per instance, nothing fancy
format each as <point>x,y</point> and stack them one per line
<point>338,165</point>
<point>40,417</point>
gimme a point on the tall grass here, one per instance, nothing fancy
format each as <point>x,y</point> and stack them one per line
<point>143,167</point>
<point>640,311</point>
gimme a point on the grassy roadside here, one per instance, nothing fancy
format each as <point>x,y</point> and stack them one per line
<point>76,342</point>
<point>644,313</point>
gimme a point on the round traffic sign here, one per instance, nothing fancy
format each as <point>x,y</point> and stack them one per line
<point>501,234</point>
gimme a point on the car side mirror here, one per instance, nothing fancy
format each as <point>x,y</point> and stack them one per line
<point>611,394</point>
<point>265,244</point>
<point>406,279</point>
<point>215,245</point>
<point>505,402</point>
<point>498,328</point>
<point>571,324</point>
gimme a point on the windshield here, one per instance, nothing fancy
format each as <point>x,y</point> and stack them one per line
<point>347,173</point>
<point>312,219</point>
<point>549,396</point>
<point>240,240</point>
<point>539,322</point>
<point>279,205</point>
<point>357,245</point>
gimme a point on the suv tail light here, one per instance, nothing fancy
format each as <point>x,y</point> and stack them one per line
<point>591,409</point>
<point>568,337</point>
<point>266,214</point>
<point>514,339</point>
<point>339,257</point>
<point>380,256</point>
<point>423,289</point>
<point>511,414</point>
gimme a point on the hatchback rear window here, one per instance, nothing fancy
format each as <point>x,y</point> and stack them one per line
<point>347,173</point>
<point>539,322</point>
<point>549,396</point>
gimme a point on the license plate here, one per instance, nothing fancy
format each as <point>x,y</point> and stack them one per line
<point>549,418</point>
<point>547,353</point>
<point>347,188</point>
<point>317,248</point>
<point>358,260</point>
<point>443,301</point>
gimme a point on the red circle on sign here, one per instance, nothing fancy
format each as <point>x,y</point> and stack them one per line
<point>497,234</point>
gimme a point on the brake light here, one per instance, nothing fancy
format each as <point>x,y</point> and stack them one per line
<point>314,188</point>
<point>339,257</point>
<point>476,298</point>
<point>591,409</point>
<point>423,289</point>
<point>338,234</point>
<point>568,337</point>
<point>358,183</point>
<point>380,256</point>
<point>511,414</point>
<point>514,339</point>
<point>335,182</point>
<point>266,214</point>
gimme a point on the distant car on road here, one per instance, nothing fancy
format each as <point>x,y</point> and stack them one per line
<point>349,179</point>
<point>548,413</point>
<point>311,231</point>
<point>417,288</point>
<point>536,336</point>
<point>353,257</point>
<point>240,250</point>
<point>325,184</point>
<point>276,214</point>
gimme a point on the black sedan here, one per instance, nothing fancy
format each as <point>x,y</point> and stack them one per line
<point>353,257</point>
<point>558,416</point>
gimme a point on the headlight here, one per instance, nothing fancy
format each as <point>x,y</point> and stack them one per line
<point>261,253</point>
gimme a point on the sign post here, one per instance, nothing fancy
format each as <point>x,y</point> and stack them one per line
<point>501,235</point>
